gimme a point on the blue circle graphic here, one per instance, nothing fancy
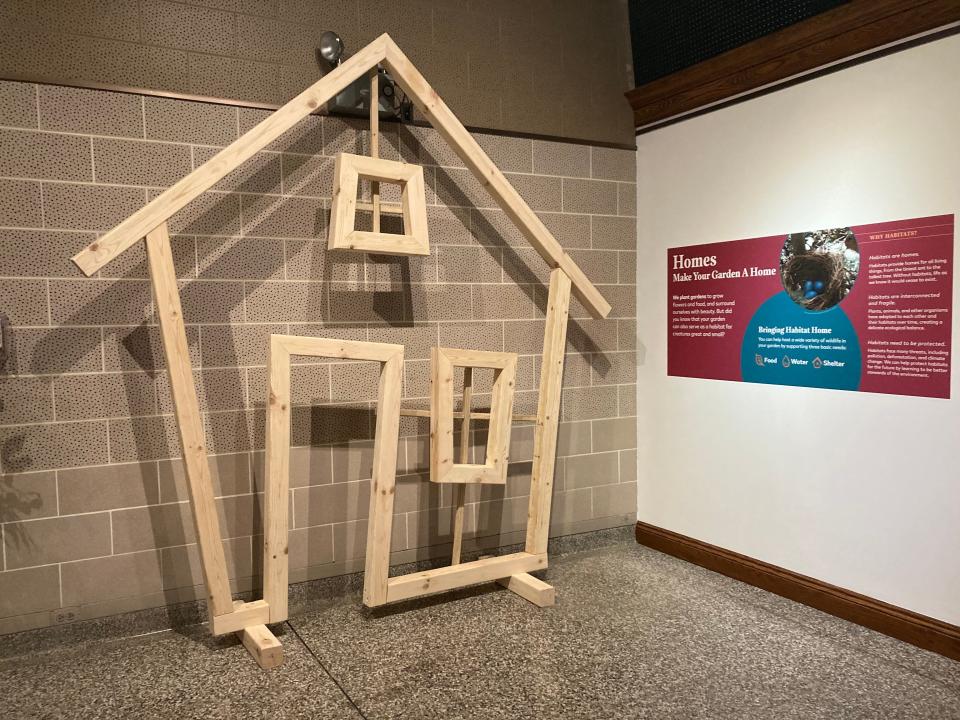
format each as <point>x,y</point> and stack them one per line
<point>786,344</point>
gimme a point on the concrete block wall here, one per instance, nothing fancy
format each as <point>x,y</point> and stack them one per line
<point>93,504</point>
<point>552,67</point>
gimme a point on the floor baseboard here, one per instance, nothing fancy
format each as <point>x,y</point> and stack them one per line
<point>920,630</point>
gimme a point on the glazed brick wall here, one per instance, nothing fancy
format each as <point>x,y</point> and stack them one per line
<point>93,503</point>
<point>551,67</point>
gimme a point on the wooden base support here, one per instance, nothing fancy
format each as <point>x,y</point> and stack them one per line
<point>452,577</point>
<point>263,645</point>
<point>530,588</point>
<point>243,615</point>
<point>247,621</point>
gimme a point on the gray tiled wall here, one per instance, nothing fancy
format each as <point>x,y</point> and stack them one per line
<point>93,504</point>
<point>551,67</point>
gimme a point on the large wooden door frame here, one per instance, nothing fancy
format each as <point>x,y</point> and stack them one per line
<point>383,479</point>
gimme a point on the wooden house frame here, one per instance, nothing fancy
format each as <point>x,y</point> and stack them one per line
<point>150,222</point>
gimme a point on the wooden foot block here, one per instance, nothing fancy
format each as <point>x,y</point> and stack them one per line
<point>530,588</point>
<point>263,645</point>
<point>243,615</point>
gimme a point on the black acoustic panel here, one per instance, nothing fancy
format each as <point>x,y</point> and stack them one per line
<point>671,35</point>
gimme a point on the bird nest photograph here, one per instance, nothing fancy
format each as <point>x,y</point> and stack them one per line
<point>818,268</point>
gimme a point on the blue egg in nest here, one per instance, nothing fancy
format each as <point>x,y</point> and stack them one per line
<point>818,285</point>
<point>807,285</point>
<point>809,294</point>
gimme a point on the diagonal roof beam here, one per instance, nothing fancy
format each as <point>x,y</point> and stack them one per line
<point>489,175</point>
<point>149,217</point>
<point>384,50</point>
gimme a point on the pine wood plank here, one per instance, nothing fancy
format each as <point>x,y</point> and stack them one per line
<point>501,417</point>
<point>263,645</point>
<point>419,584</point>
<point>548,412</point>
<point>343,207</point>
<point>441,414</point>
<point>417,412</point>
<point>530,588</point>
<point>374,168</point>
<point>479,358</point>
<point>277,471</point>
<point>336,348</point>
<point>383,243</point>
<point>385,208</point>
<point>243,615</point>
<point>375,141</point>
<point>383,482</point>
<point>186,408</point>
<point>413,200</point>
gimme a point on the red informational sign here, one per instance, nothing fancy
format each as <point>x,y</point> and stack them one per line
<point>865,307</point>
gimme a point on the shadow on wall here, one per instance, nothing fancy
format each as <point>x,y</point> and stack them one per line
<point>17,504</point>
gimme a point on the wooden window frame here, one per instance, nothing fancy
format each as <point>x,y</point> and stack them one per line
<point>493,471</point>
<point>343,235</point>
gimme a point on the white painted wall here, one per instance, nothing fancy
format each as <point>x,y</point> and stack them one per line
<point>858,490</point>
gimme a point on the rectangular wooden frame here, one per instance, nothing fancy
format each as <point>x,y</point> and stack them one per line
<point>348,169</point>
<point>277,471</point>
<point>493,471</point>
<point>512,570</point>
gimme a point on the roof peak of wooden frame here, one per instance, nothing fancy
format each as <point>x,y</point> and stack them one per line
<point>382,50</point>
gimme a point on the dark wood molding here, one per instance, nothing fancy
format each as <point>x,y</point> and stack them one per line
<point>857,27</point>
<point>920,630</point>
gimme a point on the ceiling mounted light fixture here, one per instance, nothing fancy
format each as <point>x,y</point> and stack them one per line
<point>331,47</point>
<point>355,98</point>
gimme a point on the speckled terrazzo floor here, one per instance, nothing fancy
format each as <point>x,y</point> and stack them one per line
<point>635,634</point>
